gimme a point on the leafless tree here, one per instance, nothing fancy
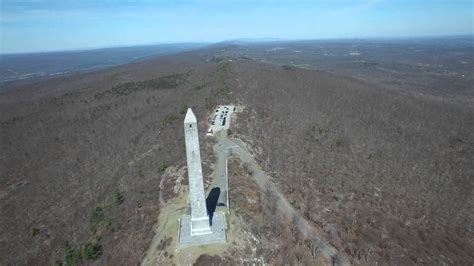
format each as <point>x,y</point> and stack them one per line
<point>310,206</point>
<point>314,245</point>
<point>248,169</point>
<point>295,231</point>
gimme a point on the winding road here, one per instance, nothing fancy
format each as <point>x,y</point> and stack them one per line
<point>236,147</point>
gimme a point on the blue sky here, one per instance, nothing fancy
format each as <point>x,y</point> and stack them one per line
<point>48,25</point>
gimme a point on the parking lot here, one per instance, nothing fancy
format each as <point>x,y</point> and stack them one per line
<point>220,119</point>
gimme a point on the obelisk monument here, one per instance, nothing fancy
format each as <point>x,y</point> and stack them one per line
<point>200,223</point>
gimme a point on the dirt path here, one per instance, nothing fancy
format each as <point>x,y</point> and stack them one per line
<point>167,226</point>
<point>239,149</point>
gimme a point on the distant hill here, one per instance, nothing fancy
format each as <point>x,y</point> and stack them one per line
<point>34,66</point>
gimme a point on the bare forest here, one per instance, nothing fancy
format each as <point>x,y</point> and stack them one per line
<point>382,165</point>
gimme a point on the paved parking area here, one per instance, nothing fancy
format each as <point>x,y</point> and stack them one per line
<point>220,118</point>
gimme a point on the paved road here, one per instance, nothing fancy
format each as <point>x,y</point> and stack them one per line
<point>218,125</point>
<point>220,171</point>
<point>238,148</point>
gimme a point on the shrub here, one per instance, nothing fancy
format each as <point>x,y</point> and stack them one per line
<point>346,223</point>
<point>183,109</point>
<point>169,119</point>
<point>210,102</point>
<point>95,217</point>
<point>140,173</point>
<point>198,87</point>
<point>226,91</point>
<point>35,232</point>
<point>118,197</point>
<point>339,142</point>
<point>108,224</point>
<point>92,251</point>
<point>232,133</point>
<point>163,166</point>
<point>73,255</point>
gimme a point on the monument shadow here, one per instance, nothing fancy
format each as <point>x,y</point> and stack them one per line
<point>211,202</point>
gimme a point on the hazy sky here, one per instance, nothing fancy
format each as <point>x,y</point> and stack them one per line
<point>37,25</point>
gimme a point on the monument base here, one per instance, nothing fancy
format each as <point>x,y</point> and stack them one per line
<point>200,226</point>
<point>217,236</point>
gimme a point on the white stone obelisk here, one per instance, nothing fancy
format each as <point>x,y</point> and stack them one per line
<point>199,218</point>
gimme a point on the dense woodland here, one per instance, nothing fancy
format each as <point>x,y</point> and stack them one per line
<point>387,176</point>
<point>385,173</point>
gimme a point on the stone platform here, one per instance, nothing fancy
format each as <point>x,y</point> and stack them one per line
<point>217,236</point>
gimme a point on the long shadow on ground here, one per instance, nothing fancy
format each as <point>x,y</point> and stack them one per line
<point>211,202</point>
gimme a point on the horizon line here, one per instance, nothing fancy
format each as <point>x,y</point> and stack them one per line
<point>243,39</point>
